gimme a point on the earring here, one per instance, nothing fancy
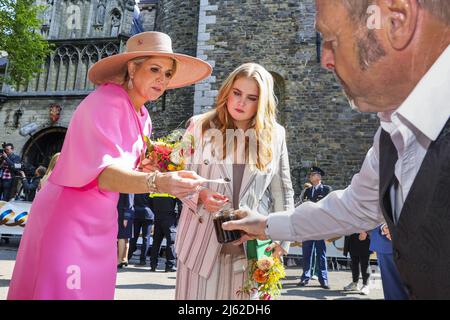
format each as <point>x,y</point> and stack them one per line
<point>130,84</point>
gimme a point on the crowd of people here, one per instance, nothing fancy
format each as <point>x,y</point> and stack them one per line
<point>19,180</point>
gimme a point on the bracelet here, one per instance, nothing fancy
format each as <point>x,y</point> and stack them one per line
<point>151,182</point>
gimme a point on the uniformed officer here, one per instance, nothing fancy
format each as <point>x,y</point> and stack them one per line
<point>166,209</point>
<point>317,192</point>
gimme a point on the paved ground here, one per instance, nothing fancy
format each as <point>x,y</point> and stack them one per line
<point>137,283</point>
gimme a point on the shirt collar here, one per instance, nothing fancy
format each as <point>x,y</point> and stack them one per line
<point>428,106</point>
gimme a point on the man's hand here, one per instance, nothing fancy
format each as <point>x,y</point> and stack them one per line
<point>22,174</point>
<point>251,223</point>
<point>4,155</point>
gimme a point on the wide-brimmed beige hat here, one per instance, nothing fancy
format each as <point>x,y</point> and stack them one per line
<point>189,70</point>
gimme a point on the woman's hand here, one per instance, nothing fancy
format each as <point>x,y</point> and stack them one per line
<point>178,183</point>
<point>278,250</point>
<point>212,201</point>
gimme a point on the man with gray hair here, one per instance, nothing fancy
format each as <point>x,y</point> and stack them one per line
<point>401,69</point>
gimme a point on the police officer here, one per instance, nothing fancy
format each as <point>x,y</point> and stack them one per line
<point>317,192</point>
<point>167,209</point>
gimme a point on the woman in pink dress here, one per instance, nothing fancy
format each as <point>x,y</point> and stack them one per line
<point>68,249</point>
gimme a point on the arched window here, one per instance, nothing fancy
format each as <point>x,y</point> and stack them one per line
<point>109,49</point>
<point>66,59</point>
<point>89,56</point>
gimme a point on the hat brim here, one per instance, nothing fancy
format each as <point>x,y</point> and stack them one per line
<point>189,69</point>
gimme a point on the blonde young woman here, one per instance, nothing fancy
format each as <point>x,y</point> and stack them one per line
<point>261,180</point>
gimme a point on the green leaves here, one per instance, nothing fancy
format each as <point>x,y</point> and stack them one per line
<point>20,38</point>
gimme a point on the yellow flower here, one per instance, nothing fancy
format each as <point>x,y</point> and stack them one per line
<point>171,167</point>
<point>265,263</point>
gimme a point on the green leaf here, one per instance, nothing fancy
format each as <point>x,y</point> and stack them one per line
<point>20,38</point>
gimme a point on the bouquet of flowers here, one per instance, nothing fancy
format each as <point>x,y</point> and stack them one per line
<point>169,153</point>
<point>264,278</point>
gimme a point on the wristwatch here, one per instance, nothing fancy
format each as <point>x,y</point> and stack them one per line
<point>151,182</point>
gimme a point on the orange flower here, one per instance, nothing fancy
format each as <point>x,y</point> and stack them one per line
<point>259,276</point>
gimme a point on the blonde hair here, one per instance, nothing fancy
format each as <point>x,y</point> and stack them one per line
<point>50,167</point>
<point>264,120</point>
<point>52,163</point>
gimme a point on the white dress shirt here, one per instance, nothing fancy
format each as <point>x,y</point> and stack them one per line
<point>412,127</point>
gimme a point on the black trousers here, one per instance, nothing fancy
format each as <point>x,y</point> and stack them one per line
<point>165,227</point>
<point>144,226</point>
<point>363,263</point>
<point>5,191</point>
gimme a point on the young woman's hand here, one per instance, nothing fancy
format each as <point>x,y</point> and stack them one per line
<point>212,201</point>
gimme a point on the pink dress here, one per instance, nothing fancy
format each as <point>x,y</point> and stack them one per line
<point>68,249</point>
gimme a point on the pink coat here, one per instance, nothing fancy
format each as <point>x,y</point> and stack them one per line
<point>68,249</point>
